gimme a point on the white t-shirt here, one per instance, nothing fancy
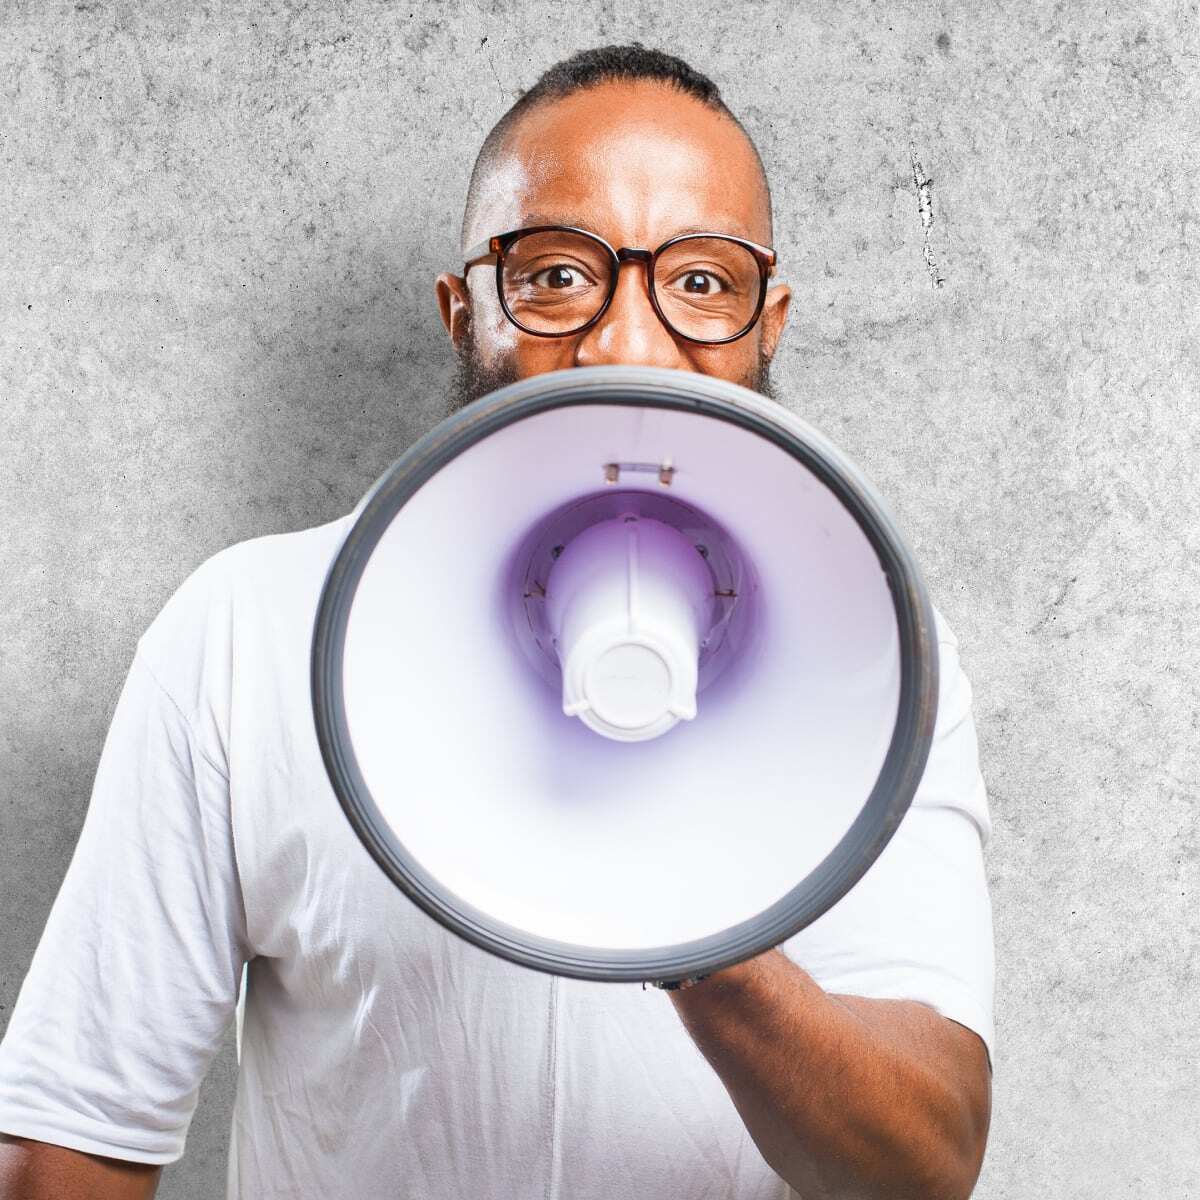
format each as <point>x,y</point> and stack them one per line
<point>380,1055</point>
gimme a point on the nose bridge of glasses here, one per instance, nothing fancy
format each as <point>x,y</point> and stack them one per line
<point>631,254</point>
<point>630,325</point>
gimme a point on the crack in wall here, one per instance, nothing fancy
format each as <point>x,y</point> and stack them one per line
<point>924,189</point>
<point>1052,612</point>
<point>492,63</point>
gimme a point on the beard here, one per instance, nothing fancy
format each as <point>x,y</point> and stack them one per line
<point>472,379</point>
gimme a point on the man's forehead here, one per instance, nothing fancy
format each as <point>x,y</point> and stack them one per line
<point>635,163</point>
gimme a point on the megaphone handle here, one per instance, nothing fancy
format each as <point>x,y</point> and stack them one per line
<point>676,985</point>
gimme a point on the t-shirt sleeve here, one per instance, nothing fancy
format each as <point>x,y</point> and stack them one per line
<point>135,978</point>
<point>918,925</point>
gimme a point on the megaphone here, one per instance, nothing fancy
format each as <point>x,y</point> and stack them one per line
<point>624,674</point>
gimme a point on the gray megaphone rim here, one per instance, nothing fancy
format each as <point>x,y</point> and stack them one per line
<point>655,387</point>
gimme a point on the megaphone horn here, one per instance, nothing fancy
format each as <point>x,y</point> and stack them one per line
<point>624,674</point>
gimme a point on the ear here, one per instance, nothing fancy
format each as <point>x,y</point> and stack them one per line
<point>454,303</point>
<point>774,314</point>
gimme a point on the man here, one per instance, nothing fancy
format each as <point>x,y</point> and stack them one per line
<point>382,1057</point>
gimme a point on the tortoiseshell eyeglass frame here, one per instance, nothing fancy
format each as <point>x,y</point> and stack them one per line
<point>500,244</point>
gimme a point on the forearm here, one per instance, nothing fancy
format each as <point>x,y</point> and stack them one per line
<point>32,1170</point>
<point>845,1098</point>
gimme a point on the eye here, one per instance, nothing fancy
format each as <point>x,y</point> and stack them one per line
<point>558,277</point>
<point>700,283</point>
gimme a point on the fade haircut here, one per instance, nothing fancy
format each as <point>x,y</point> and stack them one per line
<point>587,69</point>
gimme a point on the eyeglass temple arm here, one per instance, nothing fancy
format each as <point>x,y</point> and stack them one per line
<point>478,253</point>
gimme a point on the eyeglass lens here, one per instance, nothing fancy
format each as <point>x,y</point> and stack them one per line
<point>556,281</point>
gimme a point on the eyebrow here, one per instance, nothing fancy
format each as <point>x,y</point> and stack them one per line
<point>735,228</point>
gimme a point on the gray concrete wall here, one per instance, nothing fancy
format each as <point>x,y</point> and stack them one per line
<point>219,227</point>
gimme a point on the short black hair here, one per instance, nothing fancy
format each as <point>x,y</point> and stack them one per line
<point>587,69</point>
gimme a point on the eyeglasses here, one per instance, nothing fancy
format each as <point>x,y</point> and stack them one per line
<point>555,281</point>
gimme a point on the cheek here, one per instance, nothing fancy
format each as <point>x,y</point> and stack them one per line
<point>737,361</point>
<point>499,343</point>
<point>495,335</point>
<point>535,356</point>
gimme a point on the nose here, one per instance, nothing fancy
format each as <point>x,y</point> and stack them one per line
<point>630,332</point>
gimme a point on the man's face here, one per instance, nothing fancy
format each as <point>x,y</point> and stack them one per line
<point>636,163</point>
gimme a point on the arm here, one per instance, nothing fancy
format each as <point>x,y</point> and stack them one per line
<point>136,975</point>
<point>845,1097</point>
<point>866,1073</point>
<point>32,1170</point>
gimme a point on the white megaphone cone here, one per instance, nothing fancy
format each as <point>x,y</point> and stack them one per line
<point>624,674</point>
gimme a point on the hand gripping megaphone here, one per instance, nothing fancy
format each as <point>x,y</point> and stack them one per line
<point>624,674</point>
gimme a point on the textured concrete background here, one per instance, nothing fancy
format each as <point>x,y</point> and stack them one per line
<point>219,229</point>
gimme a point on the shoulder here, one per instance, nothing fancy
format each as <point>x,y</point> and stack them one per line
<point>954,689</point>
<point>952,778</point>
<point>945,635</point>
<point>262,566</point>
<point>231,608</point>
<point>264,570</point>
